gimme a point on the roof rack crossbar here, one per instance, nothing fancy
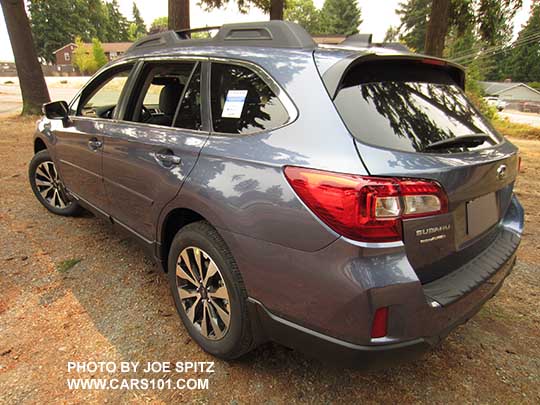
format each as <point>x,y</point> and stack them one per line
<point>184,33</point>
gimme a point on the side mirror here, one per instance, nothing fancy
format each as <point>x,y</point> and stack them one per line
<point>57,110</point>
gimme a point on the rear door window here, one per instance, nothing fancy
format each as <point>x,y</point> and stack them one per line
<point>158,92</point>
<point>242,103</point>
<point>408,107</point>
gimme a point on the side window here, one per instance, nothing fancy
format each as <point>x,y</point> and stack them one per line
<point>158,92</point>
<point>189,111</point>
<point>101,101</point>
<point>242,103</point>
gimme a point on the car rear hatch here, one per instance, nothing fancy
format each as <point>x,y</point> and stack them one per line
<point>411,119</point>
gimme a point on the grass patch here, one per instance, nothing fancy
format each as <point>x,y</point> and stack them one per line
<point>511,129</point>
<point>66,265</point>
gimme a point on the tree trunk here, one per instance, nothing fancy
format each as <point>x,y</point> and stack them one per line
<point>437,28</point>
<point>179,15</point>
<point>276,9</point>
<point>33,87</point>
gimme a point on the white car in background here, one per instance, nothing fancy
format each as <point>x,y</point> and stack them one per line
<point>496,102</point>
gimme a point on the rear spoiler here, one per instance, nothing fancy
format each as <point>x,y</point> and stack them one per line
<point>334,76</point>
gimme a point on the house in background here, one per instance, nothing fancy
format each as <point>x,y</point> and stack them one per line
<point>511,92</point>
<point>64,55</point>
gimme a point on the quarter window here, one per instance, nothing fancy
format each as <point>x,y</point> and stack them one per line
<point>242,103</point>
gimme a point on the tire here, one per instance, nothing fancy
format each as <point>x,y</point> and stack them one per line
<point>216,337</point>
<point>42,172</point>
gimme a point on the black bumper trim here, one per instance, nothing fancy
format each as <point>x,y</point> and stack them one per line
<point>333,350</point>
<point>346,354</point>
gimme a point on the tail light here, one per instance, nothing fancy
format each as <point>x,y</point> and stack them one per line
<point>365,208</point>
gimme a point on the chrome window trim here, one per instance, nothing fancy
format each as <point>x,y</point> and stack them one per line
<point>281,94</point>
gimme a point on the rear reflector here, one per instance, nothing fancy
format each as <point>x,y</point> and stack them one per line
<point>380,322</point>
<point>364,208</point>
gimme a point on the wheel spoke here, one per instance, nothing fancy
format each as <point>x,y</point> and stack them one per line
<point>204,322</point>
<point>63,196</point>
<point>45,192</point>
<point>203,293</point>
<point>41,171</point>
<point>197,255</point>
<point>224,316</point>
<point>186,260</point>
<point>186,294</point>
<point>213,322</point>
<point>47,169</point>
<point>220,293</point>
<point>59,199</point>
<point>211,270</point>
<point>180,273</point>
<point>191,311</point>
<point>52,170</point>
<point>42,183</point>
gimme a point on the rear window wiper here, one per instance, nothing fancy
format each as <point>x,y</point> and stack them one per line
<point>460,141</point>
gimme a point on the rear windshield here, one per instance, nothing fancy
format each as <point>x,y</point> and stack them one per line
<point>408,106</point>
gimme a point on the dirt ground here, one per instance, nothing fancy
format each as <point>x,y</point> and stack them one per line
<point>113,305</point>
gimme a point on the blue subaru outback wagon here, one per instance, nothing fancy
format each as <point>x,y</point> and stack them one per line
<point>346,201</point>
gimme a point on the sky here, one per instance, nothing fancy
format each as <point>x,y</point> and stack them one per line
<point>378,16</point>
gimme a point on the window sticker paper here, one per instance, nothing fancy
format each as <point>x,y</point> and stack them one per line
<point>234,104</point>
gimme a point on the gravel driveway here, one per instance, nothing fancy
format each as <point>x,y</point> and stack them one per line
<point>71,289</point>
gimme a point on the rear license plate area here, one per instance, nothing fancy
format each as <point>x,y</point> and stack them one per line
<point>482,214</point>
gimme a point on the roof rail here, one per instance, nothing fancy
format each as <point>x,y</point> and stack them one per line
<point>271,34</point>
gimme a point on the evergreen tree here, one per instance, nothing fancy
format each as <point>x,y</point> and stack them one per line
<point>117,23</point>
<point>340,17</point>
<point>525,56</point>
<point>55,23</point>
<point>414,15</point>
<point>137,27</point>
<point>305,13</point>
<point>490,20</point>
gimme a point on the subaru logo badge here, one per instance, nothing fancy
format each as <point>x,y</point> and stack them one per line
<point>501,172</point>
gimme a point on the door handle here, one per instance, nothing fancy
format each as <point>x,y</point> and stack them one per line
<point>94,144</point>
<point>167,159</point>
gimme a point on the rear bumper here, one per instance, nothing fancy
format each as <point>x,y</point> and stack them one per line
<point>323,302</point>
<point>346,354</point>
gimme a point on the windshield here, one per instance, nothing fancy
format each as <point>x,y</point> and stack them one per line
<point>409,111</point>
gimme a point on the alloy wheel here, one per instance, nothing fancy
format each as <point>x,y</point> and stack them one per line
<point>203,293</point>
<point>50,186</point>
